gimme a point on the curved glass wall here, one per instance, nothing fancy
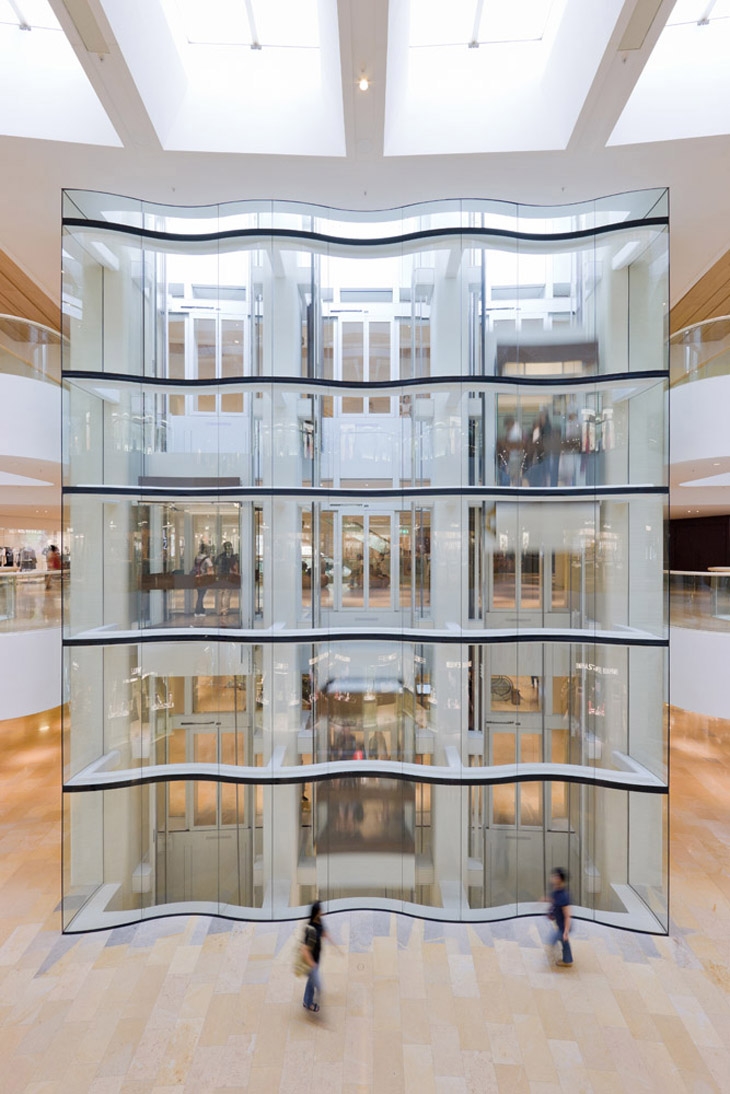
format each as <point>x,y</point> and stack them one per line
<point>367,514</point>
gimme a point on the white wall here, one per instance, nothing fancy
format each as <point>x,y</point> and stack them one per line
<point>699,421</point>
<point>698,671</point>
<point>31,672</point>
<point>30,419</point>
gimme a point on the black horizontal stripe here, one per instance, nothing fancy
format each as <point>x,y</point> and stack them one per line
<point>524,492</point>
<point>360,770</point>
<point>314,383</point>
<point>342,634</point>
<point>430,913</point>
<point>368,243</point>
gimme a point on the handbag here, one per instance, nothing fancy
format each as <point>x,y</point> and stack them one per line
<point>301,965</point>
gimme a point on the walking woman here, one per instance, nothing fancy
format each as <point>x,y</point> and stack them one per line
<point>314,933</point>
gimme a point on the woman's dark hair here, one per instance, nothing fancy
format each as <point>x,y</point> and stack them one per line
<point>315,911</point>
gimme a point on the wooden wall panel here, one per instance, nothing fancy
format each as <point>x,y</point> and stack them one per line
<point>708,297</point>
<point>19,295</point>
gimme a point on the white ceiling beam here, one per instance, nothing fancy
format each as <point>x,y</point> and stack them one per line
<point>363,48</point>
<point>87,29</point>
<point>634,37</point>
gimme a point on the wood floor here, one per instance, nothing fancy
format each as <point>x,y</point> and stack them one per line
<point>201,1005</point>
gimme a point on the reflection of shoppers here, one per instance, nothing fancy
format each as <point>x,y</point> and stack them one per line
<point>53,564</point>
<point>553,443</point>
<point>227,568</point>
<point>516,451</point>
<point>203,570</point>
<point>314,933</point>
<point>559,914</point>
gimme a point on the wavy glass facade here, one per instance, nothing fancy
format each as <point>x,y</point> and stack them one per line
<point>366,526</point>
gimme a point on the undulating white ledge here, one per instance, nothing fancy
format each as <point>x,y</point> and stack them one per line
<point>95,914</point>
<point>452,633</point>
<point>100,775</point>
<point>90,379</point>
<point>413,242</point>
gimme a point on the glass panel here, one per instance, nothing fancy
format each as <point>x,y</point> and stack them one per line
<point>176,348</point>
<point>531,794</point>
<point>328,348</point>
<point>352,352</point>
<point>353,540</point>
<point>531,579</point>
<point>379,561</point>
<point>505,576</point>
<point>405,351</point>
<point>205,793</point>
<point>232,402</point>
<point>205,367</point>
<point>176,807</point>
<point>503,804</point>
<point>560,580</point>
<point>379,355</point>
<point>306,558</point>
<point>232,343</point>
<point>423,559</point>
<point>327,560</point>
<point>405,571</point>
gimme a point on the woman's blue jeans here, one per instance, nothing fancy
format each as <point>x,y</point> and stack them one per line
<point>313,984</point>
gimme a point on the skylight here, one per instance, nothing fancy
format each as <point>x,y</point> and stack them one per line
<point>44,91</point>
<point>28,15</point>
<point>253,23</point>
<point>253,76</point>
<point>488,75</point>
<point>684,89</point>
<point>476,22</point>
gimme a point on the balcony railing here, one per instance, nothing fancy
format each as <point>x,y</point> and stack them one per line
<point>30,601</point>
<point>699,599</point>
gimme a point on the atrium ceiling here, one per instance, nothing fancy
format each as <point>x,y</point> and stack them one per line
<point>543,101</point>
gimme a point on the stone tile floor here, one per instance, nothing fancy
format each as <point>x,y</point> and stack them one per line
<point>201,1005</point>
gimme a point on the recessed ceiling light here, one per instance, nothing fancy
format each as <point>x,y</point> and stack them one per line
<point>364,83</point>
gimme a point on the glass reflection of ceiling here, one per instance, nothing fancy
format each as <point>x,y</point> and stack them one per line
<point>684,89</point>
<point>44,91</point>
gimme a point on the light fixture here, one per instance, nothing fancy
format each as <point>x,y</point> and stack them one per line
<point>363,83</point>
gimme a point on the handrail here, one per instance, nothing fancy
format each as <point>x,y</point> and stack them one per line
<point>691,338</point>
<point>17,345</point>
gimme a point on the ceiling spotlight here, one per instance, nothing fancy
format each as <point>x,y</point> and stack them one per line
<point>363,83</point>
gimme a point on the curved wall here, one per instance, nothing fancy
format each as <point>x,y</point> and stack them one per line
<point>30,416</point>
<point>31,663</point>
<point>367,525</point>
<point>699,662</point>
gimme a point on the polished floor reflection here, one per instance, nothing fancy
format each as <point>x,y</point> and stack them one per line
<point>200,1005</point>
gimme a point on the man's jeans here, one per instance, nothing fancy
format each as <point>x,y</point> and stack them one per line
<point>556,935</point>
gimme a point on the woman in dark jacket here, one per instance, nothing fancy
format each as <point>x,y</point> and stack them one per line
<point>314,933</point>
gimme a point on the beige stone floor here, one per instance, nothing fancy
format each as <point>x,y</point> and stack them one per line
<point>201,1005</point>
